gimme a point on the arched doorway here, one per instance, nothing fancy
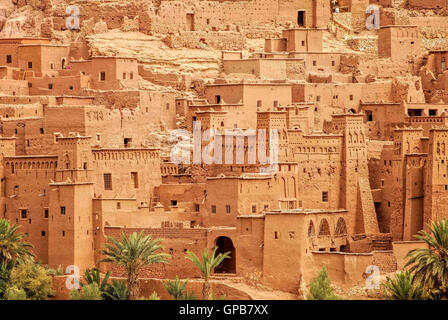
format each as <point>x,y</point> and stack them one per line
<point>225,244</point>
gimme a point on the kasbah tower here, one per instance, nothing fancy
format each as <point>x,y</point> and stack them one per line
<point>96,104</point>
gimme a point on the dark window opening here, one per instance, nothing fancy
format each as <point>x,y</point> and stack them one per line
<point>415,112</point>
<point>108,181</point>
<point>325,196</point>
<point>63,211</point>
<point>301,18</point>
<point>8,58</point>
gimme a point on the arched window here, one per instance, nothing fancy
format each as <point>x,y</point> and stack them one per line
<point>341,228</point>
<point>324,228</point>
<point>311,231</point>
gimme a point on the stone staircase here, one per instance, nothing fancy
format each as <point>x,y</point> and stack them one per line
<point>225,276</point>
<point>381,244</point>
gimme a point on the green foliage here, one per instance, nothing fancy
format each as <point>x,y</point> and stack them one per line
<point>401,287</point>
<point>207,266</point>
<point>14,293</point>
<point>32,278</point>
<point>5,273</point>
<point>429,266</point>
<point>134,253</point>
<point>153,296</point>
<point>117,290</point>
<point>12,244</point>
<point>94,276</point>
<point>90,291</point>
<point>55,272</point>
<point>209,262</point>
<point>320,288</point>
<point>176,290</point>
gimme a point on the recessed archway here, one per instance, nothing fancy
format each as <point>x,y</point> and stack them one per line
<point>225,244</point>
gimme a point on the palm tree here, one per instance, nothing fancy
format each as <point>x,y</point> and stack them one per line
<point>94,276</point>
<point>117,290</point>
<point>12,245</point>
<point>207,266</point>
<point>402,287</point>
<point>429,266</point>
<point>177,289</point>
<point>133,254</point>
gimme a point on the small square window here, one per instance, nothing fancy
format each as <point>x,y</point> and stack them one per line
<point>254,209</point>
<point>63,211</point>
<point>314,63</point>
<point>41,130</point>
<point>30,65</point>
<point>174,203</point>
<point>276,235</point>
<point>50,86</point>
<point>213,209</point>
<point>46,213</point>
<point>325,196</point>
<point>8,58</point>
<point>196,207</point>
<point>42,233</point>
<point>23,213</point>
<point>102,76</point>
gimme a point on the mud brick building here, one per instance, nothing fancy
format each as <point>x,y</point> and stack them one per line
<point>354,123</point>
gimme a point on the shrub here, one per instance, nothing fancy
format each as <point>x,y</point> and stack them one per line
<point>401,287</point>
<point>33,279</point>
<point>320,288</point>
<point>90,291</point>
